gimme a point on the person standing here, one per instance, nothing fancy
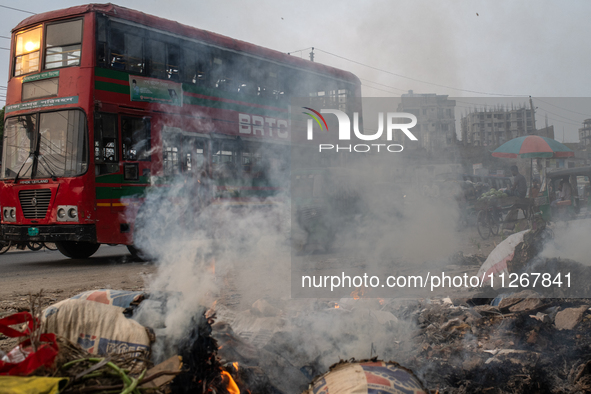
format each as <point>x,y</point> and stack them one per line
<point>519,187</point>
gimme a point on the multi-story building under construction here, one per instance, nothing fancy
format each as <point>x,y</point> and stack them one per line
<point>436,126</point>
<point>496,126</point>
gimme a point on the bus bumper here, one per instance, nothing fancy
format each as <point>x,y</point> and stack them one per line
<point>49,233</point>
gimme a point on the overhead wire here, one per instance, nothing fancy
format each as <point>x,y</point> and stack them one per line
<point>419,80</point>
<point>18,9</point>
<point>299,50</point>
<point>485,105</point>
<point>564,109</point>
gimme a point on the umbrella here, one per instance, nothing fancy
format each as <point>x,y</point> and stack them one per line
<point>532,147</point>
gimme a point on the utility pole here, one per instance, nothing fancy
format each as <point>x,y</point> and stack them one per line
<point>533,118</point>
<point>312,55</point>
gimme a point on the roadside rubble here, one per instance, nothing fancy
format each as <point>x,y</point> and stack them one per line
<point>521,345</point>
<point>486,340</point>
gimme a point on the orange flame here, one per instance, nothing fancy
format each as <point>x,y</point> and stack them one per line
<point>235,364</point>
<point>337,306</point>
<point>231,385</point>
<point>358,293</point>
<point>212,266</point>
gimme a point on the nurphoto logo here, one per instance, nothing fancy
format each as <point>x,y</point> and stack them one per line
<point>344,132</point>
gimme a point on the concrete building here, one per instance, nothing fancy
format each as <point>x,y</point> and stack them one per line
<point>496,126</point>
<point>547,132</point>
<point>585,134</point>
<point>436,127</point>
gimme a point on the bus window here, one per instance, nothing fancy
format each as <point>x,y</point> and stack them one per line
<point>171,154</point>
<point>19,141</point>
<point>223,71</point>
<point>106,156</point>
<point>250,159</point>
<point>135,133</point>
<point>193,155</point>
<point>127,49</point>
<point>223,159</point>
<point>27,51</point>
<point>101,40</point>
<point>157,59</point>
<point>172,62</point>
<point>63,44</point>
<point>196,66</point>
<point>63,144</point>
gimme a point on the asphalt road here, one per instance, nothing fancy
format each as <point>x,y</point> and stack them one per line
<point>26,271</point>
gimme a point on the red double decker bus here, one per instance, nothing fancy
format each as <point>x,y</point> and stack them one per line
<point>104,102</point>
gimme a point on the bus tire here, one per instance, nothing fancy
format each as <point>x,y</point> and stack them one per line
<point>77,250</point>
<point>4,246</point>
<point>137,254</point>
<point>50,246</point>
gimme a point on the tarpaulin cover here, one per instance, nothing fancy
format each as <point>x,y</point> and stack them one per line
<point>496,262</point>
<point>372,377</point>
<point>31,385</point>
<point>43,357</point>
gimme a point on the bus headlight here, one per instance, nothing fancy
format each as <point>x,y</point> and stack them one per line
<point>73,213</point>
<point>9,214</point>
<point>67,213</point>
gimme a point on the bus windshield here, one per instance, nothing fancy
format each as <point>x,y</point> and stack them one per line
<point>45,145</point>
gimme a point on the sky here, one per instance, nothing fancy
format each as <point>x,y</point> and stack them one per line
<point>461,48</point>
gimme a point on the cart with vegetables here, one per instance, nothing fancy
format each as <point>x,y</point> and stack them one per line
<point>493,209</point>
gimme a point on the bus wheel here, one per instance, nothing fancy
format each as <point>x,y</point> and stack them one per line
<point>77,250</point>
<point>4,246</point>
<point>137,254</point>
<point>34,246</point>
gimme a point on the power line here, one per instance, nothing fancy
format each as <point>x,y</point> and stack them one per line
<point>381,84</point>
<point>421,81</point>
<point>8,49</point>
<point>471,105</point>
<point>301,50</point>
<point>574,112</point>
<point>16,9</point>
<point>8,38</point>
<point>382,90</point>
<point>567,120</point>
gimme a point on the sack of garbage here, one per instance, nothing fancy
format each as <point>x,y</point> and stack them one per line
<point>122,298</point>
<point>368,376</point>
<point>98,327</point>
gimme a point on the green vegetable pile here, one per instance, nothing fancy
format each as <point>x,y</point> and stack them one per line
<point>492,193</point>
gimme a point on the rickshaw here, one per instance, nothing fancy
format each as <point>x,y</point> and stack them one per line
<point>495,214</point>
<point>579,204</point>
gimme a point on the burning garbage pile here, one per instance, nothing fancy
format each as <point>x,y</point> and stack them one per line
<point>90,343</point>
<point>487,340</point>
